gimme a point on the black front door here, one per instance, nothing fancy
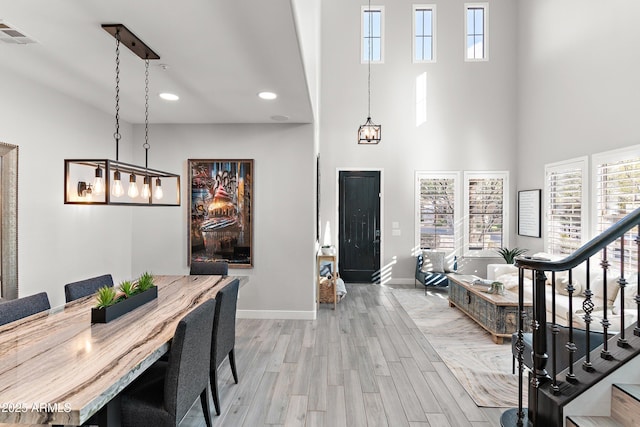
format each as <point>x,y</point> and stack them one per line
<point>359,233</point>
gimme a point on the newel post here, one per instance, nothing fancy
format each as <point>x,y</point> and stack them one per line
<point>539,356</point>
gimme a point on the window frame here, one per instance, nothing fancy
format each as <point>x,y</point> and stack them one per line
<point>506,208</point>
<point>364,9</point>
<point>581,163</point>
<point>432,8</point>
<point>612,156</point>
<point>485,34</point>
<point>457,208</point>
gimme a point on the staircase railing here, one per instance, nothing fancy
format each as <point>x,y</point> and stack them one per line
<point>548,389</point>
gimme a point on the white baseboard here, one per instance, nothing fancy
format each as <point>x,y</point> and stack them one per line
<point>276,314</point>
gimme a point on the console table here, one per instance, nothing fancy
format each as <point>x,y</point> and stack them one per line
<point>498,314</point>
<point>330,258</point>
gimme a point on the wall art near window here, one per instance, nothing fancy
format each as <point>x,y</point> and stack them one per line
<point>529,211</point>
<point>221,220</point>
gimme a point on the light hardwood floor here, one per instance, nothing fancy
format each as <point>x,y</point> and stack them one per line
<point>364,364</point>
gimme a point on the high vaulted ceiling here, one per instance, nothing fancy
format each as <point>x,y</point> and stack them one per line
<point>218,55</point>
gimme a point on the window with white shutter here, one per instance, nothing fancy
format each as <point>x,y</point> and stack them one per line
<point>486,213</point>
<point>617,194</point>
<point>438,210</point>
<point>565,197</point>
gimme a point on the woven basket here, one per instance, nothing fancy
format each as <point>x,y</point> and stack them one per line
<point>326,291</point>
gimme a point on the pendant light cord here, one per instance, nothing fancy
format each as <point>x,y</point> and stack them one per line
<point>369,61</point>
<point>146,145</point>
<point>116,135</point>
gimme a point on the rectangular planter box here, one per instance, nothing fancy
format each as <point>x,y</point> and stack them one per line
<point>105,315</point>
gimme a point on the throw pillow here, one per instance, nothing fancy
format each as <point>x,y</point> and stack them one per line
<point>511,281</point>
<point>563,282</point>
<point>432,262</point>
<point>612,288</point>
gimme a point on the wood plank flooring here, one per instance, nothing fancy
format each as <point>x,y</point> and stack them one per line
<point>364,364</point>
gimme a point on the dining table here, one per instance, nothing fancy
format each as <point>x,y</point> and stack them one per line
<point>56,367</point>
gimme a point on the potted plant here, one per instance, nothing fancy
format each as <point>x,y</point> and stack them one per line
<point>510,255</point>
<point>145,282</point>
<point>106,297</point>
<point>112,303</point>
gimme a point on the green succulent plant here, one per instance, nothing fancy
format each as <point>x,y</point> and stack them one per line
<point>510,255</point>
<point>106,297</point>
<point>127,288</point>
<point>145,282</point>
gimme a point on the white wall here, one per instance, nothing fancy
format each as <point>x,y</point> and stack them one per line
<point>59,243</point>
<point>281,282</point>
<point>578,85</point>
<point>307,18</point>
<point>471,116</point>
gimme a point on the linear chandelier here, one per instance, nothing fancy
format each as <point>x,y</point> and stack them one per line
<point>369,132</point>
<point>99,181</point>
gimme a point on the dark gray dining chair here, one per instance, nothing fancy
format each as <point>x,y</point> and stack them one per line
<point>224,335</point>
<point>216,268</point>
<point>164,393</point>
<point>76,290</point>
<point>15,309</point>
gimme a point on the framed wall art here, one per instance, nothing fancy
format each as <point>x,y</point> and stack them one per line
<point>529,212</point>
<point>221,211</point>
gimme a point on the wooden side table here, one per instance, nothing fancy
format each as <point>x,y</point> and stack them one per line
<point>319,259</point>
<point>498,314</point>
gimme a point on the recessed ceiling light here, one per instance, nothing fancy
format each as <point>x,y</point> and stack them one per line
<point>169,96</point>
<point>267,95</point>
<point>280,118</point>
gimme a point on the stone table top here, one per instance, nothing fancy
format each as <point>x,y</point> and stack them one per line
<point>58,368</point>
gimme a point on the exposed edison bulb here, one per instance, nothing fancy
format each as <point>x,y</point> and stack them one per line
<point>98,182</point>
<point>146,191</point>
<point>116,188</point>
<point>158,194</point>
<point>133,186</point>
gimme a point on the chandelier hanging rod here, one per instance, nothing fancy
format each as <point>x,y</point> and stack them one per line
<point>123,167</point>
<point>131,41</point>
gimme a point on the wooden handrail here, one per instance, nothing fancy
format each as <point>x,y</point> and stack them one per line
<point>546,398</point>
<point>587,250</point>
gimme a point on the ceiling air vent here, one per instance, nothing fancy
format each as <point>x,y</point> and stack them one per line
<point>9,34</point>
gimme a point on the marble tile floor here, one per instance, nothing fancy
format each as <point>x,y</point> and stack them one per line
<point>365,364</point>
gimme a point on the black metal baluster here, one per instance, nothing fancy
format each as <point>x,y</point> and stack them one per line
<point>554,338</point>
<point>520,345</point>
<point>636,330</point>
<point>605,354</point>
<point>587,306</point>
<point>622,282</point>
<point>571,346</point>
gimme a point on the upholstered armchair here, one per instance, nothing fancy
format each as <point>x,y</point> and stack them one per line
<point>431,270</point>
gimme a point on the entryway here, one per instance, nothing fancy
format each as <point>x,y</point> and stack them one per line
<point>359,234</point>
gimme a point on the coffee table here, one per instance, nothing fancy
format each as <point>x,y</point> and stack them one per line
<point>498,314</point>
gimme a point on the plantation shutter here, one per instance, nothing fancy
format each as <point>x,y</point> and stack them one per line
<point>437,213</point>
<point>486,212</point>
<point>618,194</point>
<point>564,210</point>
